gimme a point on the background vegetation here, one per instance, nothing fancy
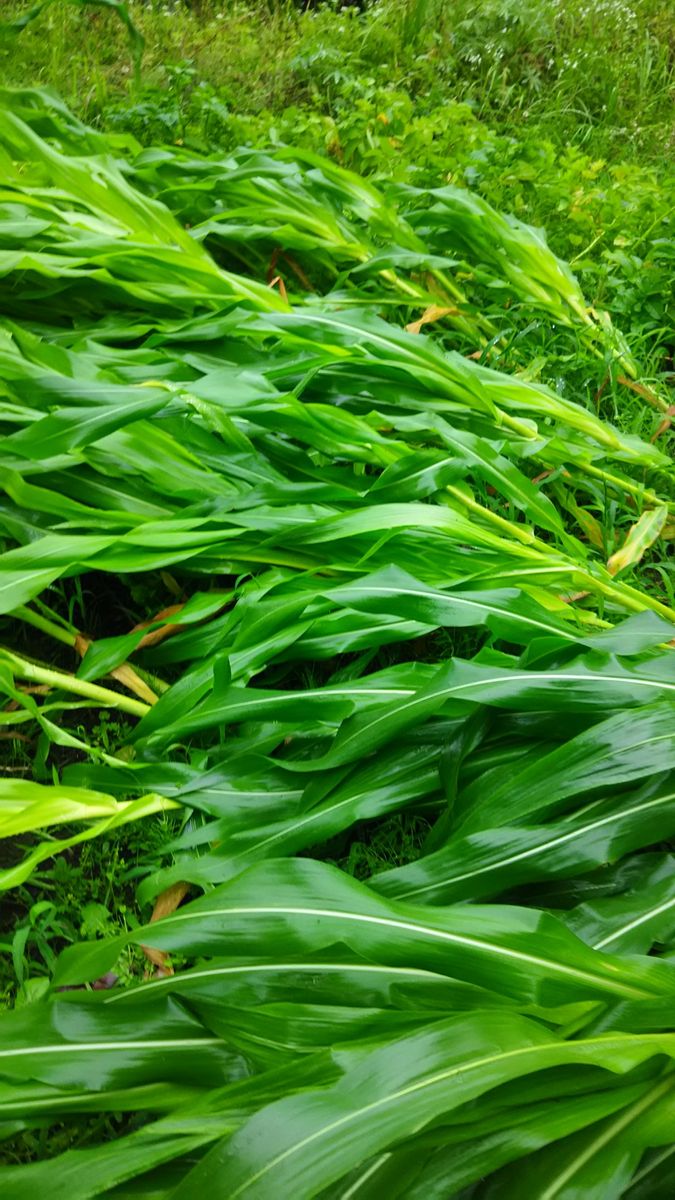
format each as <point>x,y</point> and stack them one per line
<point>559,111</point>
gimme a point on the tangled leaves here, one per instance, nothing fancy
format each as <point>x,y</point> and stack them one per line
<point>332,503</point>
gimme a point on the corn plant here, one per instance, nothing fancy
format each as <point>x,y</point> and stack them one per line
<point>376,587</point>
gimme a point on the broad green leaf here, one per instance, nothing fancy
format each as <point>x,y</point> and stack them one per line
<point>312,906</point>
<point>629,745</point>
<point>304,1143</point>
<point>587,684</point>
<point>434,1165</point>
<point>600,1162</point>
<point>630,923</point>
<point>490,861</point>
<point>73,1045</point>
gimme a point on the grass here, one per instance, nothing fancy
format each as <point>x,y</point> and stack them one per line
<point>592,72</point>
<point>560,112</point>
<point>85,893</point>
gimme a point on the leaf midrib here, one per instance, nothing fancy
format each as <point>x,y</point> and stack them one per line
<point>576,973</point>
<point>542,847</point>
<point>461,1069</point>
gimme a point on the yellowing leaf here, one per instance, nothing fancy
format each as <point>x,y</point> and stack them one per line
<point>640,537</point>
<point>165,904</point>
<point>435,312</point>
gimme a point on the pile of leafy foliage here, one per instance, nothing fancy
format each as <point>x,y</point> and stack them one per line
<point>560,112</point>
<point>346,569</point>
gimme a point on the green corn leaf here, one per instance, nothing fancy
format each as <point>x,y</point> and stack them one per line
<point>83,1046</point>
<point>631,923</point>
<point>628,746</point>
<point>655,1175</point>
<point>600,1162</point>
<point>315,906</point>
<point>389,1095</point>
<point>488,862</point>
<point>465,1153</point>
<point>581,687</point>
